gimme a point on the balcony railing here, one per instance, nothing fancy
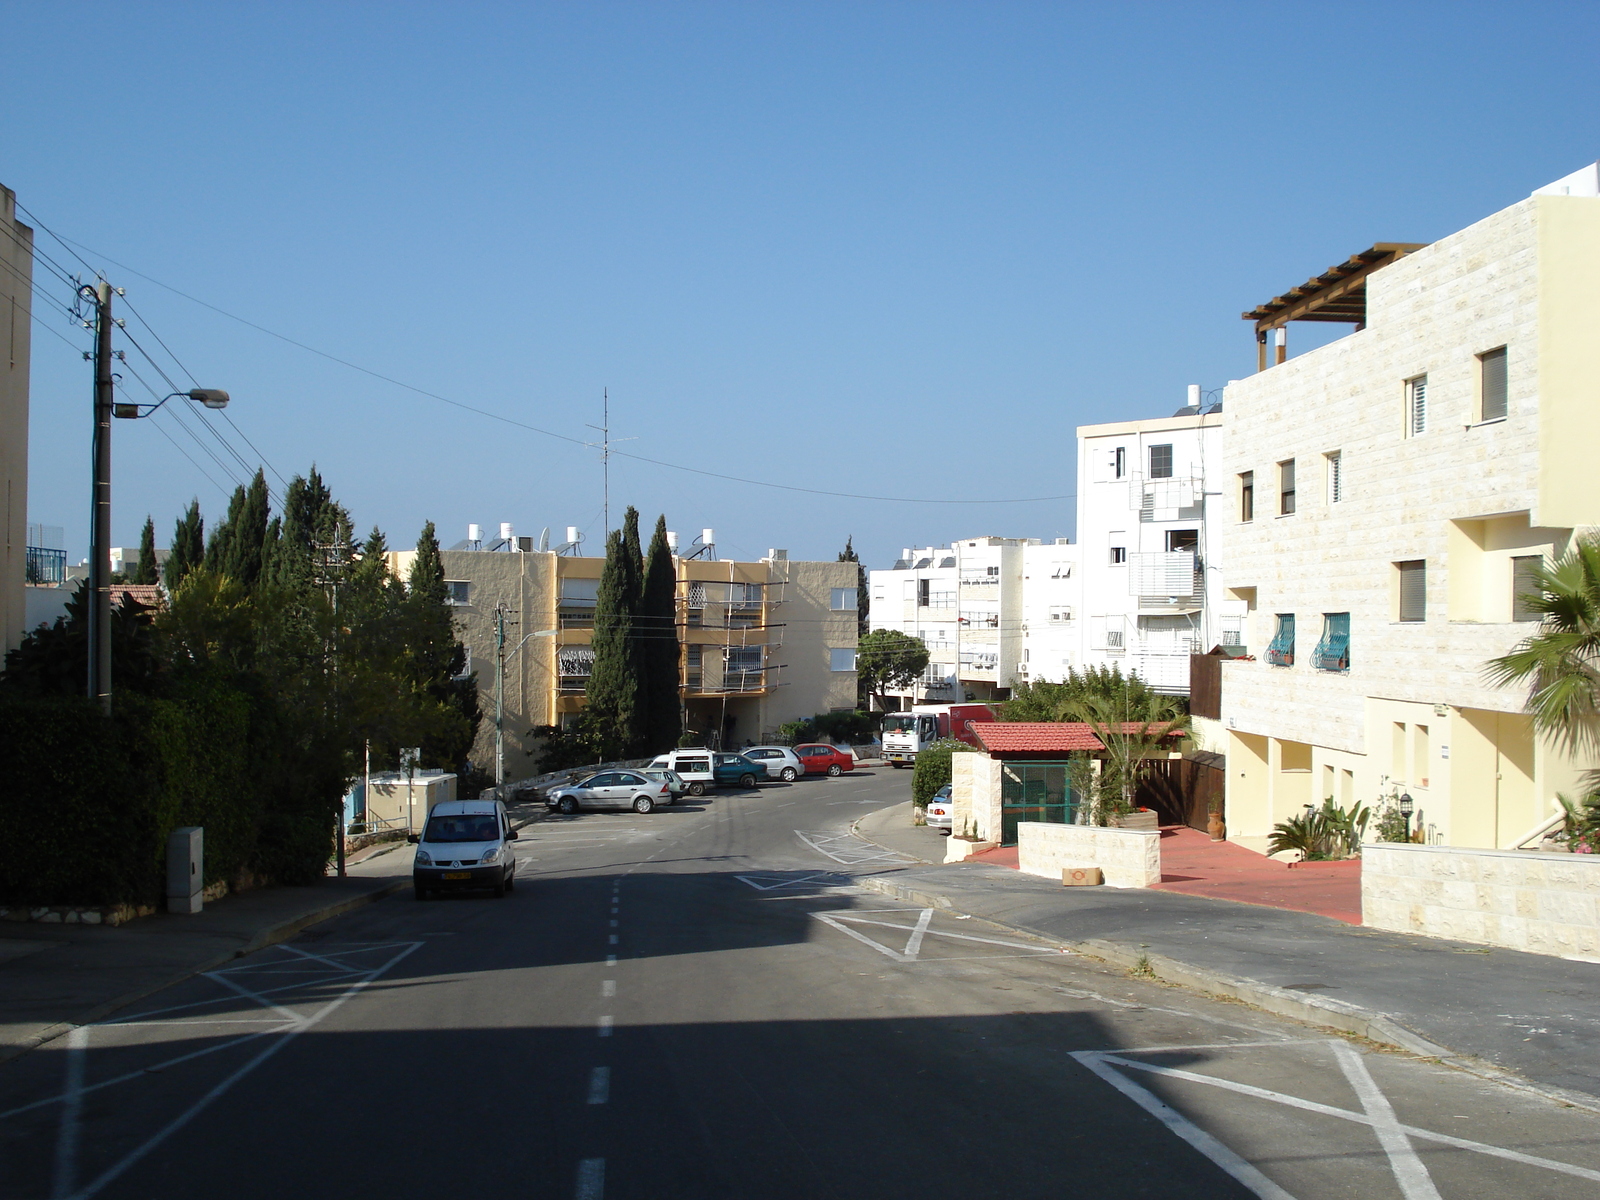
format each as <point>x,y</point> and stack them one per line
<point>46,565</point>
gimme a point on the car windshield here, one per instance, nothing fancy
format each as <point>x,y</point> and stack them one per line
<point>899,724</point>
<point>470,827</point>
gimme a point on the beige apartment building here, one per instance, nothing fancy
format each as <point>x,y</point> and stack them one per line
<point>1390,493</point>
<point>16,308</point>
<point>762,643</point>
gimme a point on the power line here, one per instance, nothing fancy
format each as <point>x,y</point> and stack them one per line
<point>494,416</point>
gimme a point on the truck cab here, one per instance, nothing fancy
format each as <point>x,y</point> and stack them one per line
<point>906,734</point>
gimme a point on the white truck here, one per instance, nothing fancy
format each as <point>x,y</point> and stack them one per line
<point>905,734</point>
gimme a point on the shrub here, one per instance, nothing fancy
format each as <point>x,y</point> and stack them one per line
<point>933,768</point>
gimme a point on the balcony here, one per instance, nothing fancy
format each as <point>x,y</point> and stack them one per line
<point>1171,499</point>
<point>1166,581</point>
<point>575,618</point>
<point>46,565</point>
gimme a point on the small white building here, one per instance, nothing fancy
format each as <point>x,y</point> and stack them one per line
<point>1051,588</point>
<point>1151,587</point>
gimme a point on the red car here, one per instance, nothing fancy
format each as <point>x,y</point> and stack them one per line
<point>821,759</point>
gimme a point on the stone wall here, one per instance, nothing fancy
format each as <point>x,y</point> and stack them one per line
<point>1127,857</point>
<point>975,795</point>
<point>1544,903</point>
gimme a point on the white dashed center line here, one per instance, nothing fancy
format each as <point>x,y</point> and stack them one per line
<point>608,988</point>
<point>591,1179</point>
<point>599,1085</point>
<point>613,939</point>
<point>611,960</point>
<point>605,1025</point>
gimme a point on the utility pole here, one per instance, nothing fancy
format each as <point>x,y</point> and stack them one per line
<point>499,696</point>
<point>99,682</point>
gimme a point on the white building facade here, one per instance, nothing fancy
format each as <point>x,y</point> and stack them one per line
<point>1151,580</point>
<point>1387,496</point>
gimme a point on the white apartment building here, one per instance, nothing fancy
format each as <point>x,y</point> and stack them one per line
<point>1051,598</point>
<point>1386,497</point>
<point>1151,587</point>
<point>970,602</point>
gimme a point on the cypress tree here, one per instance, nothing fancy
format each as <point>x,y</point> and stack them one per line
<point>612,711</point>
<point>657,639</point>
<point>863,592</point>
<point>146,571</point>
<point>436,656</point>
<point>188,547</point>
<point>248,534</point>
<point>218,552</point>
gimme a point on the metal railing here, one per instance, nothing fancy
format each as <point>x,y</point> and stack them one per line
<point>46,565</point>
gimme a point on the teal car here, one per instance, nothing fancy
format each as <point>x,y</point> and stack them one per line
<point>736,770</point>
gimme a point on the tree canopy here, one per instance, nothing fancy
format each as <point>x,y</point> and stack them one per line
<point>887,658</point>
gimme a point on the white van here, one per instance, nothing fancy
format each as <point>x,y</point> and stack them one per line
<point>465,844</point>
<point>694,765</point>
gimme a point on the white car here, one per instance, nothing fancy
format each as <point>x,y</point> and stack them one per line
<point>611,789</point>
<point>692,765</point>
<point>465,844</point>
<point>940,809</point>
<point>780,761</point>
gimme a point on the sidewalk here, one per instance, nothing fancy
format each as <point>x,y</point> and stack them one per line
<point>53,977</point>
<point>1485,1009</point>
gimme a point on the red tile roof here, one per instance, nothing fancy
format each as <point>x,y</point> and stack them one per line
<point>147,594</point>
<point>1042,737</point>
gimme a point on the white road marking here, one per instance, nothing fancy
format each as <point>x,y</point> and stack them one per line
<point>605,1025</point>
<point>591,1179</point>
<point>1327,1110</point>
<point>613,939</point>
<point>289,1030</point>
<point>613,924</point>
<point>611,960</point>
<point>844,847</point>
<point>914,942</point>
<point>66,1173</point>
<point>608,988</point>
<point>772,882</point>
<point>1179,1124</point>
<point>1409,1172</point>
<point>599,1085</point>
<point>844,918</point>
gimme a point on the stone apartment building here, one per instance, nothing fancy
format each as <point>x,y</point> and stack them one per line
<point>763,643</point>
<point>1388,494</point>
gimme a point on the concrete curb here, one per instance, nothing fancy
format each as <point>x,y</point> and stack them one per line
<point>281,932</point>
<point>1323,1011</point>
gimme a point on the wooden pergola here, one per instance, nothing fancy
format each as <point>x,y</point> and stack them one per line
<point>1338,294</point>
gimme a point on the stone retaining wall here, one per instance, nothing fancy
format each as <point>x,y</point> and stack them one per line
<point>1544,903</point>
<point>1127,857</point>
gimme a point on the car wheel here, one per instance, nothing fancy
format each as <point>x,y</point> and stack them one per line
<point>643,804</point>
<point>944,833</point>
<point>835,769</point>
<point>697,789</point>
<point>747,780</point>
<point>897,765</point>
<point>511,882</point>
<point>672,797</point>
<point>499,889</point>
<point>567,804</point>
<point>788,775</point>
<point>421,892</point>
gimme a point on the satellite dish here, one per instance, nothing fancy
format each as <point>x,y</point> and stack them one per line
<point>544,540</point>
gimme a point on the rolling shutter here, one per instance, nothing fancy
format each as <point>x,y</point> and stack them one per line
<point>1413,590</point>
<point>1524,586</point>
<point>1494,384</point>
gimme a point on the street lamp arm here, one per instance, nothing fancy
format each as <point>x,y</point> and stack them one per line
<point>210,397</point>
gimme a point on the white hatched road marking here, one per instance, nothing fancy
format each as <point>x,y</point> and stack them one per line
<point>306,968</point>
<point>843,919</point>
<point>847,849</point>
<point>591,1179</point>
<point>776,881</point>
<point>1379,1117</point>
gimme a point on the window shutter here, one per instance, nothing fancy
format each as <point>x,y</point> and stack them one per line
<point>1335,478</point>
<point>1524,585</point>
<point>1419,405</point>
<point>1494,384</point>
<point>1413,591</point>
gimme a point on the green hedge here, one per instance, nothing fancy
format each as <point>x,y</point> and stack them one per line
<point>933,769</point>
<point>89,801</point>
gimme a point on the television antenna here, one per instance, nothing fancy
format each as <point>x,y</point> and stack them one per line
<point>604,446</point>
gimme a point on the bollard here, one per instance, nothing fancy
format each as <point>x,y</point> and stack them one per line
<point>186,873</point>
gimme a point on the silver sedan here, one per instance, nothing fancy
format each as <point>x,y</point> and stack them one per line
<point>780,762</point>
<point>940,808</point>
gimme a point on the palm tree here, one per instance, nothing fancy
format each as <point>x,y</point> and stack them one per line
<point>1135,728</point>
<point>1560,663</point>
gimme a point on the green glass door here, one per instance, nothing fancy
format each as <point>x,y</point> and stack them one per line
<point>1035,791</point>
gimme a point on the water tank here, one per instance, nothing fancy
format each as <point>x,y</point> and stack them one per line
<point>506,532</point>
<point>708,537</point>
<point>572,535</point>
<point>1194,395</point>
<point>672,540</point>
<point>474,533</point>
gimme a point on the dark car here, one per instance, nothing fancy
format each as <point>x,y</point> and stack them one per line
<point>736,769</point>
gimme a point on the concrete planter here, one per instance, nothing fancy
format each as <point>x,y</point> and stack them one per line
<point>1144,818</point>
<point>1126,857</point>
<point>959,849</point>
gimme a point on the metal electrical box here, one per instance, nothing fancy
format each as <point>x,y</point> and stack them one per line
<point>186,869</point>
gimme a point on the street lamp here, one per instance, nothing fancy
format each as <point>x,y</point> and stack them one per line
<point>1407,807</point>
<point>105,406</point>
<point>500,657</point>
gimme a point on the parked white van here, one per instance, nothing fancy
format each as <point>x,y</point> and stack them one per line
<point>693,765</point>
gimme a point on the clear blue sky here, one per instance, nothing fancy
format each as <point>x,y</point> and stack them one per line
<point>886,249</point>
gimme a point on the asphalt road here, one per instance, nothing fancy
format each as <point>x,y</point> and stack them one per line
<point>699,1003</point>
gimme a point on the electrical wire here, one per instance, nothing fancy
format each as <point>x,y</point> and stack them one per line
<point>494,416</point>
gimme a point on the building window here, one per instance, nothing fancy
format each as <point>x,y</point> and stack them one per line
<point>1183,539</point>
<point>1114,639</point>
<point>1119,463</point>
<point>1525,587</point>
<point>1416,406</point>
<point>1161,462</point>
<point>843,600</point>
<point>1412,587</point>
<point>922,593</point>
<point>1280,652</point>
<point>1333,651</point>
<point>1119,555</point>
<point>1247,496</point>
<point>842,658</point>
<point>457,592</point>
<point>945,599</point>
<point>466,664</point>
<point>1492,385</point>
<point>1335,476</point>
<point>992,572</point>
<point>1060,612</point>
<point>1286,487</point>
